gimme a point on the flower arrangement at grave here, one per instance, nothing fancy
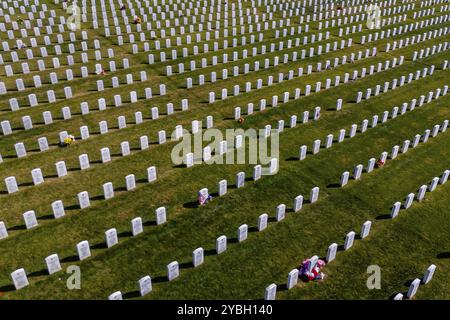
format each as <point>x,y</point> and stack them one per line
<point>241,120</point>
<point>379,163</point>
<point>68,140</point>
<point>312,272</point>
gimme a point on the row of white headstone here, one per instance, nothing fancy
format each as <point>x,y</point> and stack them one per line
<point>365,125</point>
<point>420,38</point>
<point>414,286</point>
<point>51,97</point>
<point>125,146</point>
<point>393,85</point>
<point>84,130</point>
<point>292,279</point>
<point>236,71</point>
<point>357,170</point>
<point>242,235</point>
<point>420,193</point>
<point>19,276</point>
<point>83,199</point>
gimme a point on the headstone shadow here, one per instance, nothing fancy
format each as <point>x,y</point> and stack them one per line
<point>192,204</point>
<point>443,255</point>
<point>131,294</point>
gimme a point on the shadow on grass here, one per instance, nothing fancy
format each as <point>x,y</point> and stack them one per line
<point>383,217</point>
<point>73,258</point>
<point>210,252</point>
<point>47,217</point>
<point>443,255</point>
<point>149,223</point>
<point>160,279</point>
<point>333,185</point>
<point>100,245</point>
<point>40,273</point>
<point>192,204</point>
<point>186,265</point>
<point>292,159</point>
<point>7,288</point>
<point>131,295</point>
<point>125,234</point>
<point>19,227</point>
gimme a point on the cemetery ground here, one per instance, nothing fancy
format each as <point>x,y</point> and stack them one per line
<point>403,247</point>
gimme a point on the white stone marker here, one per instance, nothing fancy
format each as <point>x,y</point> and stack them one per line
<point>395,209</point>
<point>3,231</point>
<point>242,233</point>
<point>30,219</point>
<point>83,199</point>
<point>145,285</point>
<point>11,185</point>
<point>221,244</point>
<point>53,264</point>
<point>433,184</point>
<point>270,292</point>
<point>161,215</point>
<point>83,249</point>
<point>409,200</point>
<point>292,279</point>
<point>314,196</point>
<point>429,274</point>
<point>151,174</point>
<point>111,237</point>
<point>357,172</point>
<point>262,221</point>
<point>365,229</point>
<point>115,296</point>
<point>136,226</point>
<point>298,203</point>
<point>344,178</point>
<point>61,169</point>
<point>413,288</point>
<point>331,252</point>
<point>316,146</point>
<point>58,209</point>
<point>197,257</point>
<point>19,278</point>
<point>349,239</point>
<point>280,212</point>
<point>173,270</point>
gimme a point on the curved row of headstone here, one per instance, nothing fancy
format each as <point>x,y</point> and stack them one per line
<point>43,143</point>
<point>365,123</point>
<point>414,286</point>
<point>67,113</point>
<point>163,56</point>
<point>420,74</point>
<point>267,63</point>
<point>294,274</point>
<point>84,73</point>
<point>385,156</point>
<point>416,39</point>
<point>420,194</point>
<point>30,55</point>
<point>68,94</point>
<point>83,201</point>
<point>270,291</point>
<point>297,92</point>
<point>53,264</point>
<point>244,53</point>
<point>173,271</point>
<point>395,32</point>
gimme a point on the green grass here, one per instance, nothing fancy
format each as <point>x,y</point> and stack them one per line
<point>403,247</point>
